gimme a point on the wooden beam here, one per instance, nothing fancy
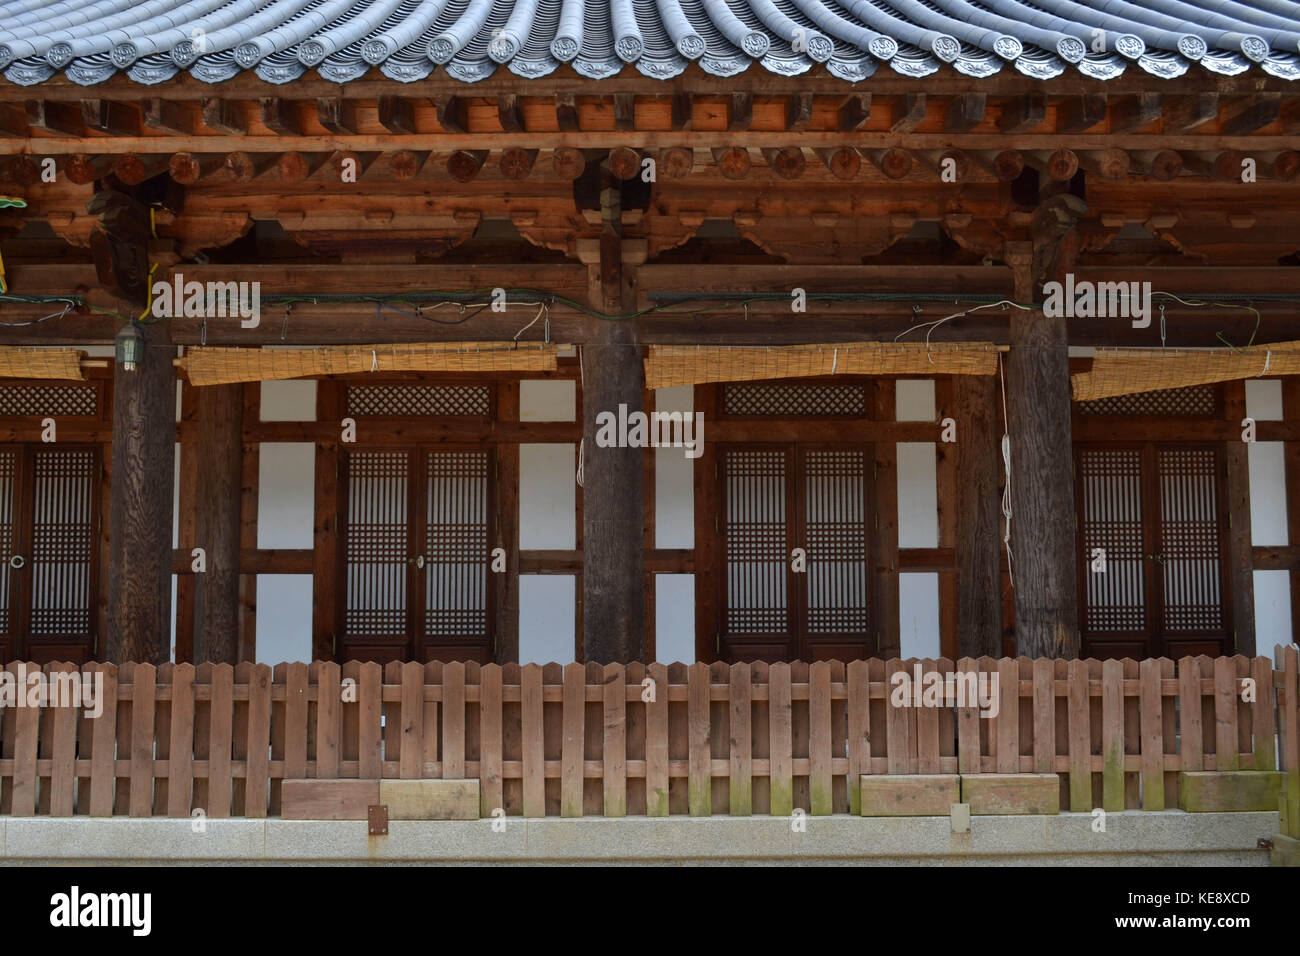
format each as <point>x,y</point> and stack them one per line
<point>979,534</point>
<point>624,162</point>
<point>964,112</point>
<point>1161,164</point>
<point>1240,558</point>
<point>464,164</point>
<point>189,168</point>
<point>396,115</point>
<point>220,471</point>
<point>567,162</point>
<point>405,164</point>
<point>1006,165</point>
<point>908,112</point>
<point>295,167</point>
<point>733,163</point>
<point>245,167</point>
<point>167,117</point>
<point>1250,114</point>
<point>1060,165</point>
<point>13,121</point>
<point>676,162</point>
<point>624,111</point>
<point>682,111</point>
<point>452,114</point>
<point>788,163</point>
<point>1186,111</point>
<point>62,119</point>
<point>109,116</point>
<point>740,111</point>
<point>853,112</point>
<point>133,170</point>
<point>1109,164</point>
<point>1023,113</point>
<point>279,116</point>
<point>885,531</point>
<point>894,163</point>
<point>844,163</point>
<point>1135,111</point>
<point>517,163</point>
<point>82,169</point>
<point>220,114</point>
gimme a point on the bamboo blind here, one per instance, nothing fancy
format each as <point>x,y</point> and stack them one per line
<point>671,365</point>
<point>41,363</point>
<point>1128,371</point>
<point>221,366</point>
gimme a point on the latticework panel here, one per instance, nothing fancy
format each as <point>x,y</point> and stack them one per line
<point>1111,480</point>
<point>1190,558</point>
<point>756,542</point>
<point>375,600</point>
<point>58,401</point>
<point>835,485</point>
<point>63,543</point>
<point>456,544</point>
<point>797,401</point>
<point>407,400</point>
<point>1192,401</point>
<point>8,490</point>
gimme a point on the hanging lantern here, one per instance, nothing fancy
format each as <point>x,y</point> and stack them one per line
<point>129,347</point>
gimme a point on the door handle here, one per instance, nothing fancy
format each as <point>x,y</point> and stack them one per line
<point>17,561</point>
<point>416,562</point>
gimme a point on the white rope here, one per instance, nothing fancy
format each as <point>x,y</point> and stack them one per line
<point>1268,357</point>
<point>374,361</point>
<point>581,475</point>
<point>835,360</point>
<point>1006,469</point>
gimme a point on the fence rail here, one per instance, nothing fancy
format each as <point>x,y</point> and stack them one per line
<point>552,740</point>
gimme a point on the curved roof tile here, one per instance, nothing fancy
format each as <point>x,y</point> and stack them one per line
<point>407,40</point>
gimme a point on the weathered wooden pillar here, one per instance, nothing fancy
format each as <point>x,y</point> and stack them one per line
<point>1038,414</point>
<point>216,591</point>
<point>979,516</point>
<point>140,524</point>
<point>613,377</point>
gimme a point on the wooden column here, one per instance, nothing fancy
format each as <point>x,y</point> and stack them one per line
<point>1291,457</point>
<point>507,537</point>
<point>140,523</point>
<point>1038,412</point>
<point>613,564</point>
<point>1240,557</point>
<point>979,536</point>
<point>216,590</point>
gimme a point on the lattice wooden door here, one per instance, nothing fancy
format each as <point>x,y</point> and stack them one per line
<point>1153,550</point>
<point>49,518</point>
<point>778,498</point>
<point>415,582</point>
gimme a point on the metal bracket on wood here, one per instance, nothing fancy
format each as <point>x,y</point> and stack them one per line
<point>378,819</point>
<point>1263,843</point>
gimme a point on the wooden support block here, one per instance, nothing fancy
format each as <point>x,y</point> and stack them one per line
<point>1130,113</point>
<point>909,795</point>
<point>517,163</point>
<point>464,164</point>
<point>13,121</point>
<point>566,112</point>
<point>788,163</point>
<point>430,799</point>
<point>1079,113</point>
<point>108,116</point>
<point>396,115</point>
<point>220,114</point>
<point>843,163</point>
<point>55,117</point>
<point>798,111</point>
<point>740,111</point>
<point>278,116</point>
<point>853,112</point>
<point>624,111</point>
<point>733,162</point>
<point>451,113</point>
<point>1239,790</point>
<point>683,110</point>
<point>1023,113</point>
<point>327,799</point>
<point>1008,793</point>
<point>82,168</point>
<point>167,117</point>
<point>1185,112</point>
<point>964,112</point>
<point>510,113</point>
<point>1250,114</point>
<point>336,115</point>
<point>909,112</point>
<point>568,163</point>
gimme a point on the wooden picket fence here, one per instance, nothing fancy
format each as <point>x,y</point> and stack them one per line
<point>638,739</point>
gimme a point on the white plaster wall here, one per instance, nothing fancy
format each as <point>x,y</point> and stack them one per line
<point>675,618</point>
<point>918,521</point>
<point>1272,610</point>
<point>547,497</point>
<point>289,401</point>
<point>286,494</point>
<point>283,618</point>
<point>675,478</point>
<point>918,614</point>
<point>548,400</point>
<point>1268,517</point>
<point>918,495</point>
<point>547,618</point>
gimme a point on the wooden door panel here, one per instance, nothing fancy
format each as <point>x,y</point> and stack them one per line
<point>1112,500</point>
<point>835,505</point>
<point>10,472</point>
<point>374,581</point>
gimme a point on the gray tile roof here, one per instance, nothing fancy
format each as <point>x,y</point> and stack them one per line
<point>280,40</point>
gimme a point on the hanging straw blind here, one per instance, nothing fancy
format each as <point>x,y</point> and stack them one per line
<point>221,366</point>
<point>1129,371</point>
<point>671,365</point>
<point>41,363</point>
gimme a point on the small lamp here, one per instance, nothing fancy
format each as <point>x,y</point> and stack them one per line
<point>129,347</point>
